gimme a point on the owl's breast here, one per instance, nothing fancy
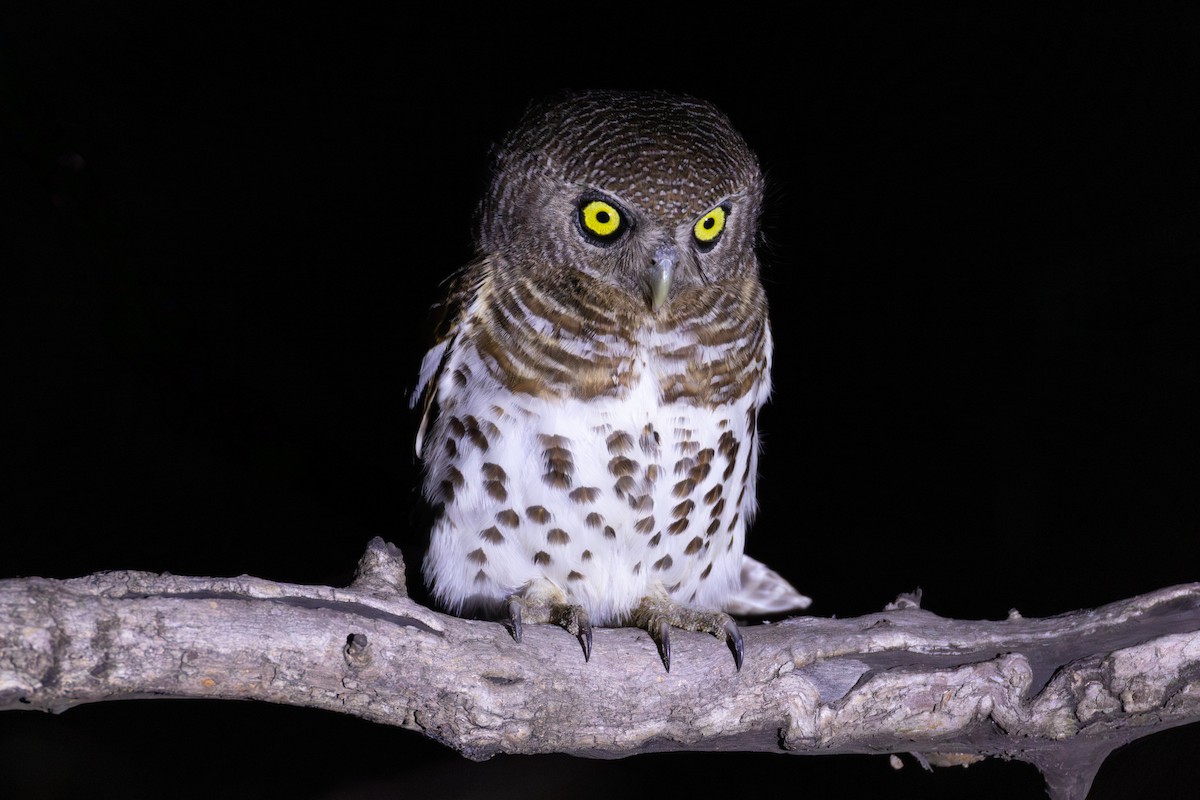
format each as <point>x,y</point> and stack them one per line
<point>611,497</point>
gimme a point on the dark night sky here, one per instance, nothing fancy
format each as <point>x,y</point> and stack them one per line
<point>224,230</point>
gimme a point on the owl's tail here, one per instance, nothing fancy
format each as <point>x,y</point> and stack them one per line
<point>764,591</point>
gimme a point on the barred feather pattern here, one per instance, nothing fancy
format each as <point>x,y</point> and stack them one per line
<point>607,451</point>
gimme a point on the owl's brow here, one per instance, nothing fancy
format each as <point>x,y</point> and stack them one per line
<point>732,197</point>
<point>587,188</point>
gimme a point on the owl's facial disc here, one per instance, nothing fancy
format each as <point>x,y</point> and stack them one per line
<point>659,273</point>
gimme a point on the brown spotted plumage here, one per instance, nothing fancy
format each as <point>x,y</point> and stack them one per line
<point>590,408</point>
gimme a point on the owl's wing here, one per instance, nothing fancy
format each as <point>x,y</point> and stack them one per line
<point>464,288</point>
<point>426,391</point>
<point>764,591</point>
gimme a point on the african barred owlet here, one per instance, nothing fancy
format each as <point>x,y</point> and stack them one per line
<point>590,426</point>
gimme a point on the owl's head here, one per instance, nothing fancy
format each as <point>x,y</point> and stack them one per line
<point>652,193</point>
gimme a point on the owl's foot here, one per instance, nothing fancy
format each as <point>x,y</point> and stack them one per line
<point>544,602</point>
<point>657,615</point>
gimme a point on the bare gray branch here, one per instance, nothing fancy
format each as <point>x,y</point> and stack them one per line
<point>1061,692</point>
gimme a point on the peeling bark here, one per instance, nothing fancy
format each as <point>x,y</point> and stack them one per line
<point>1061,692</point>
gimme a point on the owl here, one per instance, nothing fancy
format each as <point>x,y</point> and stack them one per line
<point>590,408</point>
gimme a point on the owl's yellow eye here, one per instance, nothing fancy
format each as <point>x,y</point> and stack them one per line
<point>710,226</point>
<point>599,218</point>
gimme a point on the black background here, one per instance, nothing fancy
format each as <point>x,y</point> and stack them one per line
<point>223,230</point>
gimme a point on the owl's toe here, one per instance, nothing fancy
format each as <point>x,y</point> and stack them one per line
<point>657,615</point>
<point>516,608</point>
<point>574,619</point>
<point>733,637</point>
<point>535,605</point>
<point>661,634</point>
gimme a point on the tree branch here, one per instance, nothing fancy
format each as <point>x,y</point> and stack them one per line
<point>1061,692</point>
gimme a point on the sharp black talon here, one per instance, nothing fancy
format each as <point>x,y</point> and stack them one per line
<point>664,644</point>
<point>514,614</point>
<point>734,637</point>
<point>585,639</point>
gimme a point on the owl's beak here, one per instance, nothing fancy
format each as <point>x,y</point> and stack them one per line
<point>658,274</point>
